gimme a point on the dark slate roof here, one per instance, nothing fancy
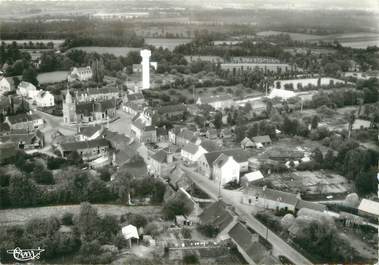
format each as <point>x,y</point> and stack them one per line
<point>217,214</point>
<point>161,131</point>
<point>220,160</point>
<point>186,134</point>
<point>87,108</point>
<point>190,148</point>
<point>209,145</point>
<point>136,96</point>
<point>262,139</point>
<point>239,155</point>
<point>73,146</point>
<point>211,99</point>
<point>21,118</point>
<point>160,156</point>
<point>89,130</point>
<point>310,205</point>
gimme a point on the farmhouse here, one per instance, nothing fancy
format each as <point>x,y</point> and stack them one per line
<point>191,152</point>
<point>225,169</point>
<point>44,99</point>
<point>247,143</point>
<point>98,94</point>
<point>160,162</point>
<point>218,102</point>
<point>24,122</point>
<point>141,127</point>
<point>88,150</point>
<point>80,74</point>
<point>251,177</point>
<point>181,136</point>
<point>27,89</point>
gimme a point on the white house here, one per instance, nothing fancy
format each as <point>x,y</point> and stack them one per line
<point>217,102</point>
<point>225,169</point>
<point>191,152</point>
<point>27,89</point>
<point>80,74</point>
<point>5,84</point>
<point>44,99</point>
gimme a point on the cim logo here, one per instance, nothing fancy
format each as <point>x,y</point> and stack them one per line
<point>25,254</point>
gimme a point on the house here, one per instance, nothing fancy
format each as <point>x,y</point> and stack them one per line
<point>27,89</point>
<point>369,208</point>
<point>218,102</point>
<point>192,152</point>
<point>251,177</point>
<point>211,134</point>
<point>249,245</point>
<point>247,143</point>
<point>6,84</point>
<point>133,108</point>
<point>261,141</point>
<point>172,111</point>
<point>89,133</point>
<point>24,139</point>
<point>141,127</point>
<point>24,121</point>
<point>270,199</point>
<point>160,162</point>
<point>281,93</point>
<point>44,99</point>
<point>278,200</point>
<point>162,134</point>
<point>225,169</point>
<point>80,74</point>
<point>219,215</point>
<point>360,124</point>
<point>130,232</point>
<point>88,150</point>
<point>137,98</point>
<point>181,136</point>
<point>205,161</point>
<point>98,94</point>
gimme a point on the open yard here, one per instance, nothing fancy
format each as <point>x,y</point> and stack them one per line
<point>22,215</point>
<point>52,77</point>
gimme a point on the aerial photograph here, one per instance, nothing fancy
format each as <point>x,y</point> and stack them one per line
<point>175,132</point>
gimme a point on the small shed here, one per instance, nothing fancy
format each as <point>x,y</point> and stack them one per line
<point>251,177</point>
<point>130,232</point>
<point>247,143</point>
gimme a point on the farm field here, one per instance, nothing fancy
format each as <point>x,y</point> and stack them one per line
<point>22,215</point>
<point>166,43</point>
<point>116,51</point>
<point>52,77</point>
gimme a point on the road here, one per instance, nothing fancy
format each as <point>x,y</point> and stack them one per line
<point>245,212</point>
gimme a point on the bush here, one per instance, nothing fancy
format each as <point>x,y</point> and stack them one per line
<point>186,233</point>
<point>44,177</point>
<point>191,259</point>
<point>208,230</point>
<point>67,219</point>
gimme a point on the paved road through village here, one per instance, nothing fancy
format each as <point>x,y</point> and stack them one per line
<point>244,211</point>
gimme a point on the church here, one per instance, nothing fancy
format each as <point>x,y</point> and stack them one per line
<point>88,112</point>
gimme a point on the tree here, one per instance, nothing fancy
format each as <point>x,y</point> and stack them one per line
<point>317,156</point>
<point>22,191</point>
<point>87,222</point>
<point>351,120</point>
<point>180,205</point>
<point>218,120</point>
<point>191,259</point>
<point>315,121</point>
<point>30,75</point>
<point>98,71</point>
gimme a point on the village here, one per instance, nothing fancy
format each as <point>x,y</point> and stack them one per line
<point>248,160</point>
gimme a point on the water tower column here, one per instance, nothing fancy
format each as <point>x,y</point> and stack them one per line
<point>145,54</point>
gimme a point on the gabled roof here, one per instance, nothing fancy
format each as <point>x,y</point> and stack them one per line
<point>262,139</point>
<point>160,156</point>
<point>209,145</point>
<point>135,96</point>
<point>238,155</point>
<point>73,146</point>
<point>253,176</point>
<point>190,148</point>
<point>217,214</point>
<point>369,206</point>
<point>186,134</point>
<point>274,195</point>
<point>217,98</point>
<point>220,160</point>
<point>246,141</point>
<point>89,130</point>
<point>87,108</point>
<point>310,205</point>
